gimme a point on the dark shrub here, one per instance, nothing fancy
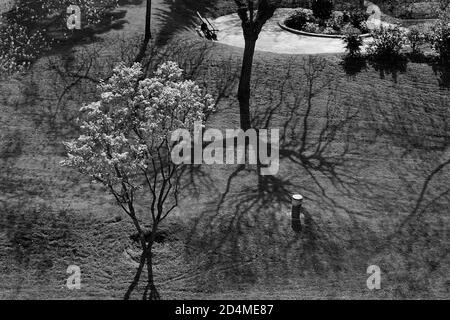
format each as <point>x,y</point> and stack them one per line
<point>299,19</point>
<point>440,37</point>
<point>312,27</point>
<point>349,29</point>
<point>441,43</point>
<point>336,21</point>
<point>353,43</point>
<point>322,9</point>
<point>416,39</point>
<point>358,18</point>
<point>387,43</point>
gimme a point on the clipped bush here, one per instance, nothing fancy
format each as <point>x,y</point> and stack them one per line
<point>300,18</point>
<point>329,30</point>
<point>441,42</point>
<point>331,23</point>
<point>364,27</point>
<point>387,43</point>
<point>336,20</point>
<point>440,37</point>
<point>358,18</point>
<point>322,9</point>
<point>311,27</point>
<point>350,29</point>
<point>416,39</point>
<point>353,43</point>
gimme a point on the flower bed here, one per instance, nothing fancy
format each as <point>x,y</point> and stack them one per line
<point>340,23</point>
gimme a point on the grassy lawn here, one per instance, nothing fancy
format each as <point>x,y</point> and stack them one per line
<point>369,152</point>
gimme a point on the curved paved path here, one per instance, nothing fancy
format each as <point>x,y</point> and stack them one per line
<point>275,39</point>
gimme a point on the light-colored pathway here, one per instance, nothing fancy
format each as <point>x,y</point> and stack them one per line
<point>274,39</point>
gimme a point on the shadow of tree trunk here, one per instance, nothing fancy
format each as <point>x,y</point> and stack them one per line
<point>136,278</point>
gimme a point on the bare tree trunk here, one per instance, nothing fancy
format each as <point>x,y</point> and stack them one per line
<point>148,20</point>
<point>251,27</point>
<point>244,83</point>
<point>147,33</point>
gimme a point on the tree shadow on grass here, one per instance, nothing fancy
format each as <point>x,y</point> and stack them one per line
<point>35,240</point>
<point>415,252</point>
<point>392,67</point>
<point>150,291</point>
<point>395,66</point>
<point>328,151</point>
<point>442,71</point>
<point>427,141</point>
<point>441,68</point>
<point>245,232</point>
<point>353,65</point>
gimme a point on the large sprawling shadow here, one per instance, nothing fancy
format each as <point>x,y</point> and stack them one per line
<point>360,171</point>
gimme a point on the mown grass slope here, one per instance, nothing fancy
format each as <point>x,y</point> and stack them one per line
<point>369,152</point>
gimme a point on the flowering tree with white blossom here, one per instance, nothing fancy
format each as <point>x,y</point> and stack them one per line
<point>125,144</point>
<point>30,27</point>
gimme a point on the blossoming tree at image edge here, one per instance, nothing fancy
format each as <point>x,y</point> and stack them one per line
<point>125,144</point>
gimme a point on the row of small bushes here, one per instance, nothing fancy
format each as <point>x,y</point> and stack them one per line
<point>389,42</point>
<point>410,9</point>
<point>321,18</point>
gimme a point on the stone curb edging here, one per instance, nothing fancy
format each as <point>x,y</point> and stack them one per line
<point>319,35</point>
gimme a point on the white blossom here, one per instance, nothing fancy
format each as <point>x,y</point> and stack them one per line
<point>120,132</point>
